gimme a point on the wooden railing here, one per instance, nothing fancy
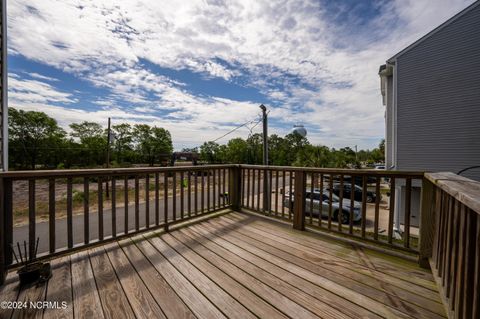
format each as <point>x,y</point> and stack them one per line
<point>367,213</point>
<point>451,240</point>
<point>71,209</point>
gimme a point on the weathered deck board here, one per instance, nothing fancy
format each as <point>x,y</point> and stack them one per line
<point>340,273</point>
<point>257,305</point>
<point>114,302</point>
<point>142,302</point>
<point>198,303</point>
<point>237,266</point>
<point>387,264</point>
<point>60,289</point>
<point>86,299</point>
<point>224,302</point>
<point>361,273</point>
<point>171,304</point>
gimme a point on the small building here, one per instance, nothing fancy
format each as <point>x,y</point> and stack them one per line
<point>431,91</point>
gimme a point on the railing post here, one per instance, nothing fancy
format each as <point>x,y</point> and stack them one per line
<point>6,226</point>
<point>427,223</point>
<point>299,201</point>
<point>235,187</point>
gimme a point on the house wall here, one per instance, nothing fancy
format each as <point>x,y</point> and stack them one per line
<point>438,100</point>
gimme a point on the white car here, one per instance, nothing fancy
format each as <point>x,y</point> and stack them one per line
<point>325,202</point>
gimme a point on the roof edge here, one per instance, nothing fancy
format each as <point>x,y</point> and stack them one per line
<point>434,31</point>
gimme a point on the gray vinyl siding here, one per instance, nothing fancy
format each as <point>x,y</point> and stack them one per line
<point>438,100</point>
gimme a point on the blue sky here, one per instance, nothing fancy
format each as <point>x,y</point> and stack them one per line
<point>200,68</point>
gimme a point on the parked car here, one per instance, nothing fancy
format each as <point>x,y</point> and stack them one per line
<point>358,192</point>
<point>323,199</point>
<point>358,180</point>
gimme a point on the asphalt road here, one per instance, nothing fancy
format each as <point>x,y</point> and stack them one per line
<point>42,228</point>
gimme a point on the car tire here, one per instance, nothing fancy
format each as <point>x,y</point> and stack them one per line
<point>343,218</point>
<point>370,199</point>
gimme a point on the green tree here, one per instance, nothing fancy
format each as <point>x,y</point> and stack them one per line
<point>123,140</point>
<point>92,142</point>
<point>152,143</point>
<point>209,152</point>
<point>33,136</point>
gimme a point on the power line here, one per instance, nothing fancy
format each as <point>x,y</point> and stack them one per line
<point>238,127</point>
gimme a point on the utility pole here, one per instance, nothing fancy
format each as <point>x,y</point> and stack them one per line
<point>266,188</point>
<point>107,193</point>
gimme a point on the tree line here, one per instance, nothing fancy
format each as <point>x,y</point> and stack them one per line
<point>37,141</point>
<point>291,150</point>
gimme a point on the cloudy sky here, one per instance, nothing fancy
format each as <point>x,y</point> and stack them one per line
<point>201,68</point>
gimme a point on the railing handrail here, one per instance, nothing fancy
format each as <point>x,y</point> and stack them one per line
<point>105,171</point>
<point>463,189</point>
<point>346,171</point>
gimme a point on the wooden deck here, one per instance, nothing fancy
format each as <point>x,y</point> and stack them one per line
<point>237,266</point>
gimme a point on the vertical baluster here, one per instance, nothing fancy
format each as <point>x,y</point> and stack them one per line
<point>330,199</point>
<point>6,212</point>
<point>214,188</point>
<point>100,208</point>
<point>137,204</point>
<point>352,203</point>
<point>269,190</point>
<point>283,193</point>
<point>248,187</point>
<point>290,195</point>
<point>253,189</point>
<point>157,199</point>
<point>453,260</point>
<point>208,190</point>
<point>31,217</point>
<point>259,190</point>
<point>459,296</point>
<point>377,208</point>
<point>408,210</point>
<point>51,214</point>
<point>224,190</point>
<point>147,201</point>
<point>165,200</point>
<point>69,213</point>
<point>471,249</point>
<point>114,206</point>
<point>364,204</point>
<point>446,203</point>
<point>174,195</point>
<point>202,198</point>
<point>340,205</point>
<point>312,195</point>
<point>196,191</point>
<point>448,252</point>
<point>320,209</point>
<point>391,210</point>
<point>125,199</point>
<point>276,193</point>
<point>182,195</point>
<point>86,208</point>
<point>476,280</point>
<point>189,191</point>
<point>243,186</point>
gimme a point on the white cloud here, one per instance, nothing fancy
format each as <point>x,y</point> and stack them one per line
<point>104,42</point>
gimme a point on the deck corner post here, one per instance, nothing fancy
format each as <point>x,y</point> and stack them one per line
<point>235,187</point>
<point>6,226</point>
<point>427,223</point>
<point>299,201</point>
